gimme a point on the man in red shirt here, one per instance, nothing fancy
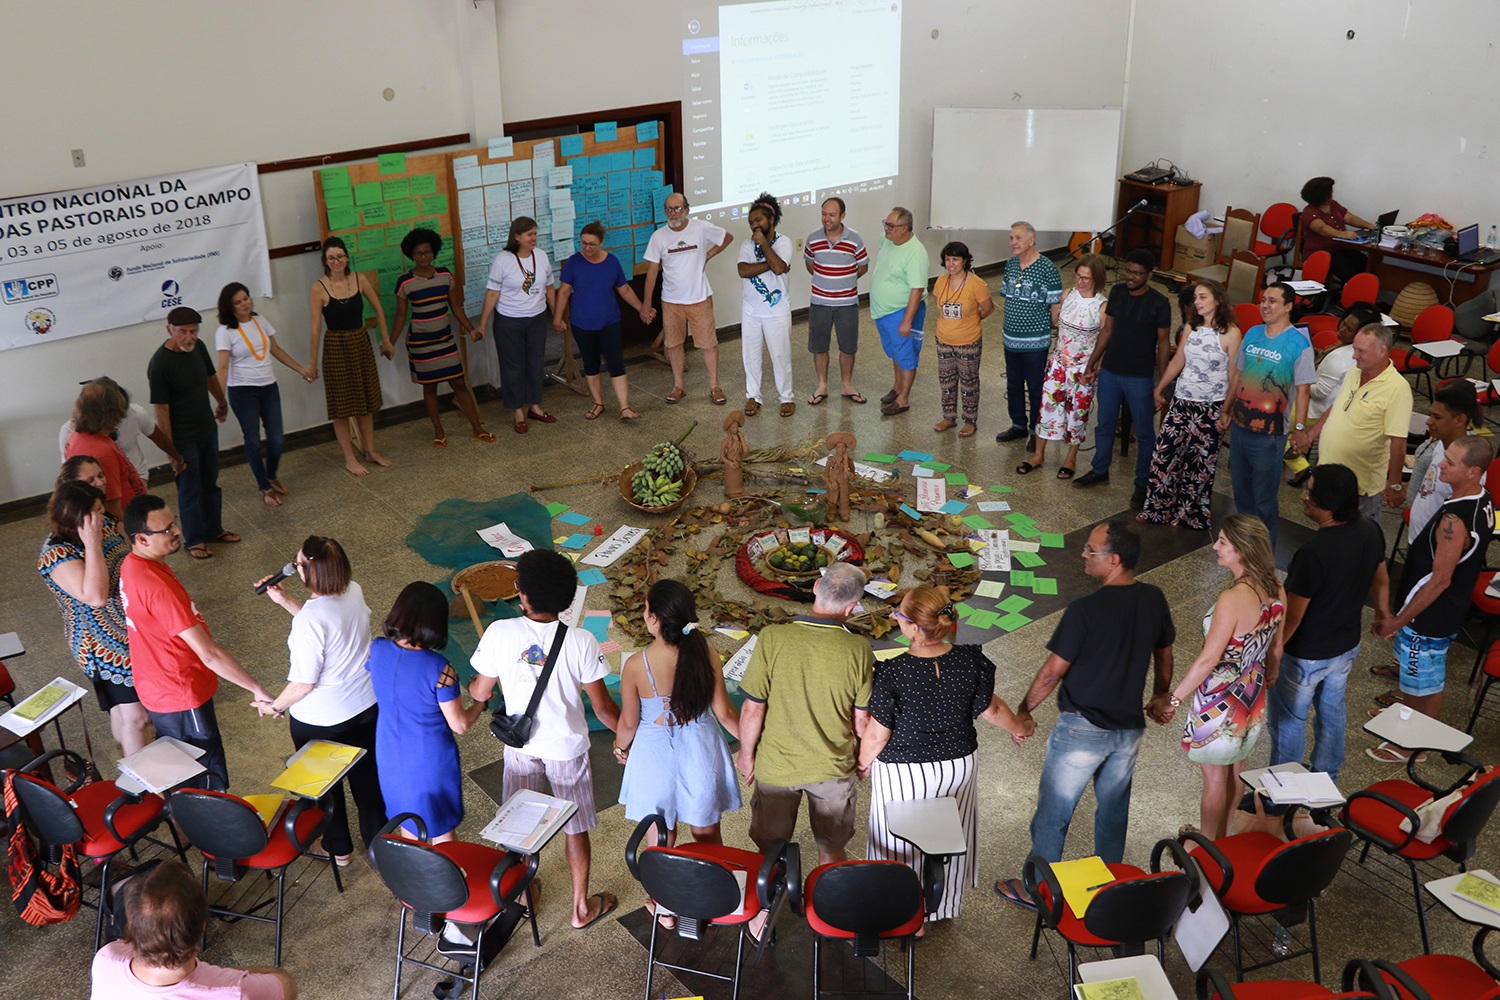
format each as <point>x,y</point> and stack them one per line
<point>177,664</point>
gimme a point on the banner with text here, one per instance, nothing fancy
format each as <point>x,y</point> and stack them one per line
<point>76,262</point>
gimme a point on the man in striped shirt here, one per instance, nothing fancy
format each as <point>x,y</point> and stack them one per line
<point>835,257</point>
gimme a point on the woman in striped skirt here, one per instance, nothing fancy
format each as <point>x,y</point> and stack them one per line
<point>433,354</point>
<point>921,742</point>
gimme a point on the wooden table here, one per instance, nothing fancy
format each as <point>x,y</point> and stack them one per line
<point>1155,226</point>
<point>1396,268</point>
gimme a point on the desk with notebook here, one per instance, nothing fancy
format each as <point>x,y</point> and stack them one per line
<point>1459,892</point>
<point>316,768</point>
<point>160,766</point>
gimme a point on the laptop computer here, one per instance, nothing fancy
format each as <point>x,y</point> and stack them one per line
<point>1469,250</point>
<point>1385,219</point>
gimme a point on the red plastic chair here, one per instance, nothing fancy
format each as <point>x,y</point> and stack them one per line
<point>1324,330</point>
<point>1214,985</point>
<point>1431,325</point>
<point>1277,223</point>
<point>1315,268</point>
<point>865,903</point>
<point>1246,315</point>
<point>1360,288</point>
<point>1450,977</point>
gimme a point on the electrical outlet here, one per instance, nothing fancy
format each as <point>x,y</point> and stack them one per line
<point>77,157</point>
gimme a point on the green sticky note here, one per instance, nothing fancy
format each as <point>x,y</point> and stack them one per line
<point>554,509</point>
<point>1014,603</point>
<point>876,456</point>
<point>1016,517</point>
<point>399,187</point>
<point>1013,621</point>
<point>424,184</point>
<point>334,179</point>
<point>1051,540</point>
<point>1022,578</point>
<point>983,619</point>
<point>957,479</point>
<point>1044,585</point>
<point>377,214</point>
<point>1028,559</point>
<point>393,163</point>
<point>903,640</point>
<point>963,609</point>
<point>937,466</point>
<point>367,194</point>
<point>370,239</point>
<point>434,204</point>
<point>1001,489</point>
<point>404,208</point>
<point>342,218</point>
<point>1026,530</point>
<point>978,521</point>
<point>394,235</point>
<point>343,198</point>
<point>962,560</point>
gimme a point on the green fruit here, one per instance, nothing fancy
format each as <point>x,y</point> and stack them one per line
<point>822,559</point>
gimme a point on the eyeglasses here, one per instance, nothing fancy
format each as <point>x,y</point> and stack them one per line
<point>338,256</point>
<point>590,245</point>
<point>895,225</point>
<point>422,252</point>
<point>676,211</point>
<point>1089,551</point>
<point>896,614</point>
<point>168,530</point>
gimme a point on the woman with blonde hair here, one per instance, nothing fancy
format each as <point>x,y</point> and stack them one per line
<point>1229,680</point>
<point>920,742</point>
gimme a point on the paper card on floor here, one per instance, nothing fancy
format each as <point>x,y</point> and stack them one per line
<point>734,668</point>
<point>1027,530</point>
<point>1022,578</point>
<point>1013,621</point>
<point>615,545</point>
<point>1001,489</point>
<point>570,517</point>
<point>983,619</point>
<point>1044,585</point>
<point>554,509</point>
<point>577,540</point>
<point>1014,603</point>
<point>996,554</point>
<point>961,560</point>
<point>1018,518</point>
<point>963,610</point>
<point>993,506</point>
<point>953,507</point>
<point>971,491</point>
<point>1051,540</point>
<point>597,622</point>
<point>989,588</point>
<point>923,472</point>
<point>975,544</point>
<point>875,456</point>
<point>1029,560</point>
<point>592,577</point>
<point>871,472</point>
<point>915,456</point>
<point>903,640</point>
<point>910,512</point>
<point>978,521</point>
<point>574,614</point>
<point>1022,546</point>
<point>938,466</point>
<point>931,494</point>
<point>880,588</point>
<point>889,654</point>
<point>500,536</point>
<point>957,479</point>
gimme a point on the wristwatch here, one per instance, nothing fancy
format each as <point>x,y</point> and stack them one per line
<point>1396,486</point>
<point>1301,427</point>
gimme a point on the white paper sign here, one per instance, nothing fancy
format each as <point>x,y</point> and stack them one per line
<point>614,546</point>
<point>502,147</point>
<point>574,615</point>
<point>1199,933</point>
<point>931,493</point>
<point>735,668</point>
<point>509,543</point>
<point>996,552</point>
<point>874,473</point>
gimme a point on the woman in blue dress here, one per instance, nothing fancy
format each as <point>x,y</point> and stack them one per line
<point>672,699</point>
<point>421,707</point>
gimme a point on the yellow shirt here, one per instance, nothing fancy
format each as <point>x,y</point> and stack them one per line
<point>1361,421</point>
<point>958,313</point>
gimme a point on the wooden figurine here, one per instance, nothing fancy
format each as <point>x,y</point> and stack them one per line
<point>732,453</point>
<point>837,473</point>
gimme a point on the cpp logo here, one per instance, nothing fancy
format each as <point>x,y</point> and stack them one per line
<point>171,294</point>
<point>18,290</point>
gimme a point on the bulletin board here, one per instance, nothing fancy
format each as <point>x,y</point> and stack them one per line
<point>372,205</point>
<point>616,174</point>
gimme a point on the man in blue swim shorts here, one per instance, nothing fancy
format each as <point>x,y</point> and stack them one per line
<point>897,306</point>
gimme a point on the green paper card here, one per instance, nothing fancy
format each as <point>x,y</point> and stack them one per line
<point>394,235</point>
<point>338,199</point>
<point>957,479</point>
<point>370,239</point>
<point>983,619</point>
<point>1051,540</point>
<point>1044,585</point>
<point>405,208</point>
<point>936,466</point>
<point>377,214</point>
<point>434,204</point>
<point>399,187</point>
<point>1022,578</point>
<point>978,521</point>
<point>342,218</point>
<point>334,179</point>
<point>1014,603</point>
<point>875,456</point>
<point>1016,517</point>
<point>424,184</point>
<point>1027,530</point>
<point>962,560</point>
<point>554,509</point>
<point>989,588</point>
<point>903,640</point>
<point>1028,559</point>
<point>1013,621</point>
<point>366,194</point>
<point>392,163</point>
<point>963,609</point>
<point>1001,489</point>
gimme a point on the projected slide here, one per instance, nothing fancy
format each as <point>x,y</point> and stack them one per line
<point>797,97</point>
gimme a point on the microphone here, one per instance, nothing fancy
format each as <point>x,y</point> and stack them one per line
<point>1138,206</point>
<point>289,569</point>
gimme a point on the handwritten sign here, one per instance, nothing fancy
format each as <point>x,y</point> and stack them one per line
<point>508,542</point>
<point>614,546</point>
<point>735,668</point>
<point>996,553</point>
<point>931,494</point>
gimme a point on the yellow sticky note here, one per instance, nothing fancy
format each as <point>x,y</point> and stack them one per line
<point>889,654</point>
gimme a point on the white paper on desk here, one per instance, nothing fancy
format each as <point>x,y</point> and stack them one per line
<point>1439,348</point>
<point>500,536</point>
<point>163,763</point>
<point>1199,932</point>
<point>71,694</point>
<point>1307,287</point>
<point>1287,787</point>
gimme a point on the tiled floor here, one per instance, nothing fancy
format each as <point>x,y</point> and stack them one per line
<point>341,946</point>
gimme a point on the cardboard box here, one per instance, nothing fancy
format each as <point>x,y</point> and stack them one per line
<point>1192,252</point>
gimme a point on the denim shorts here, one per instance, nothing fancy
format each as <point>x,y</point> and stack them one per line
<point>904,351</point>
<point>1421,662</point>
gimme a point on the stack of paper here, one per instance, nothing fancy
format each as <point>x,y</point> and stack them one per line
<point>1479,890</point>
<point>314,769</point>
<point>162,764</point>
<point>1081,880</point>
<point>528,820</point>
<point>42,707</point>
<point>1110,989</point>
<point>1286,788</point>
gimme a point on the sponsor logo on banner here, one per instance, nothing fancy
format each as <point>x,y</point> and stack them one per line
<point>171,294</point>
<point>18,290</point>
<point>41,321</point>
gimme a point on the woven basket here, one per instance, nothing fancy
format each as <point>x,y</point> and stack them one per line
<point>689,482</point>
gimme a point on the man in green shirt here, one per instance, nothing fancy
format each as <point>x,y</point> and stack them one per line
<point>898,306</point>
<point>807,694</point>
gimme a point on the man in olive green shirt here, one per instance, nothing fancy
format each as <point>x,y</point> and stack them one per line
<point>807,695</point>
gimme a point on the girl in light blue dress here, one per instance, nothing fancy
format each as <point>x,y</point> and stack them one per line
<point>672,699</point>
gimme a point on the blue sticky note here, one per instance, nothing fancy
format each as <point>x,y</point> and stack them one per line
<point>605,131</point>
<point>640,214</point>
<point>573,517</point>
<point>571,145</point>
<point>580,165</point>
<point>589,577</point>
<point>640,254</point>
<point>910,512</point>
<point>619,219</point>
<point>619,180</point>
<point>644,158</point>
<point>597,204</point>
<point>646,130</point>
<point>915,456</point>
<point>642,234</point>
<point>953,507</point>
<point>502,148</point>
<point>577,541</point>
<point>619,199</point>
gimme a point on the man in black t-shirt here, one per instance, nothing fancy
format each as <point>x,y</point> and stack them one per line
<point>1132,347</point>
<point>1099,655</point>
<point>1326,586</point>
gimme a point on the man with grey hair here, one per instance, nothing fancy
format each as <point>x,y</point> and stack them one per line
<point>807,695</point>
<point>898,305</point>
<point>681,250</point>
<point>1365,426</point>
<point>1032,290</point>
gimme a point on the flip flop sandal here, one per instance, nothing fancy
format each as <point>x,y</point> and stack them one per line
<point>856,397</point>
<point>1065,473</point>
<point>594,412</point>
<point>276,485</point>
<point>944,425</point>
<point>269,498</point>
<point>1388,699</point>
<point>817,398</point>
<point>1388,753</point>
<point>1025,468</point>
<point>1011,891</point>
<point>486,437</point>
<point>607,904</point>
<point>967,431</point>
<point>228,537</point>
<point>441,443</point>
<point>200,552</point>
<point>1387,670</point>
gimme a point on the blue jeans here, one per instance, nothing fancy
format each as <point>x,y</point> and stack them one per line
<point>1136,392</point>
<point>1023,384</point>
<point>1255,466</point>
<point>200,502</point>
<point>254,405</point>
<point>1305,685</point>
<point>197,727</point>
<point>1078,751</point>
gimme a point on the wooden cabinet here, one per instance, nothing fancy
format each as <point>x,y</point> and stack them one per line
<point>1154,226</point>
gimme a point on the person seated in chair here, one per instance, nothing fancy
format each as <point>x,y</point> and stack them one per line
<point>166,911</point>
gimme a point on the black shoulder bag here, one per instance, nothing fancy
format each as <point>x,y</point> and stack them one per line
<point>515,730</point>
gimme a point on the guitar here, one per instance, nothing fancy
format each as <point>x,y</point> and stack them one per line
<point>1084,243</point>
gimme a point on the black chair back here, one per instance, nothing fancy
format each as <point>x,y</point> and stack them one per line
<point>1304,868</point>
<point>1139,909</point>
<point>420,877</point>
<point>691,887</point>
<point>224,827</point>
<point>48,812</point>
<point>868,898</point>
<point>1473,811</point>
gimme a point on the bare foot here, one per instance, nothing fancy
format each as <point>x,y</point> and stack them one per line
<point>353,467</point>
<point>377,458</point>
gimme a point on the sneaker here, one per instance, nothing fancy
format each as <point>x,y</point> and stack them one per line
<point>1010,434</point>
<point>1090,478</point>
<point>1138,498</point>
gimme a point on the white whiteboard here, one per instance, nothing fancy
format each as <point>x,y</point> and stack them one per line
<point>1056,168</point>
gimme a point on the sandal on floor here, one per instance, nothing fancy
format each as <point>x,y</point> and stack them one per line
<point>944,425</point>
<point>607,904</point>
<point>1388,753</point>
<point>752,407</point>
<point>594,412</point>
<point>441,443</point>
<point>1065,473</point>
<point>817,398</point>
<point>1012,891</point>
<point>787,409</point>
<point>227,537</point>
<point>486,437</point>
<point>677,394</point>
<point>628,414</point>
<point>1388,699</point>
<point>269,498</point>
<point>856,397</point>
<point>1026,468</point>
<point>276,485</point>
<point>200,551</point>
<point>967,431</point>
<point>1387,670</point>
<point>892,408</point>
<point>717,395</point>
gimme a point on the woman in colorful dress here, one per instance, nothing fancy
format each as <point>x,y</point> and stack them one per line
<point>246,343</point>
<point>432,294</point>
<point>518,295</point>
<point>963,301</point>
<point>920,742</point>
<point>1187,447</point>
<point>1228,681</point>
<point>1066,398</point>
<point>80,564</point>
<point>351,385</point>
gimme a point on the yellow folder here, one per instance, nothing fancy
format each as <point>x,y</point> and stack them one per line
<point>1080,880</point>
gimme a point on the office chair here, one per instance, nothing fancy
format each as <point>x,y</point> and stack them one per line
<point>866,902</point>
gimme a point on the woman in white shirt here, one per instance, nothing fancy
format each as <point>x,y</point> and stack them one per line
<point>518,299</point>
<point>329,694</point>
<point>246,343</point>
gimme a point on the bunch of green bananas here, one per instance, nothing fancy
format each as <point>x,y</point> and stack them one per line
<point>655,489</point>
<point>664,459</point>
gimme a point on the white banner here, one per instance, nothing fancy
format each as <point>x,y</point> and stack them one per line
<point>76,262</point>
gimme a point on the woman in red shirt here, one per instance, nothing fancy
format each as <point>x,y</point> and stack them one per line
<point>1323,222</point>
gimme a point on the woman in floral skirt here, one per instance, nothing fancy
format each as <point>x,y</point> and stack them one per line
<point>1066,399</point>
